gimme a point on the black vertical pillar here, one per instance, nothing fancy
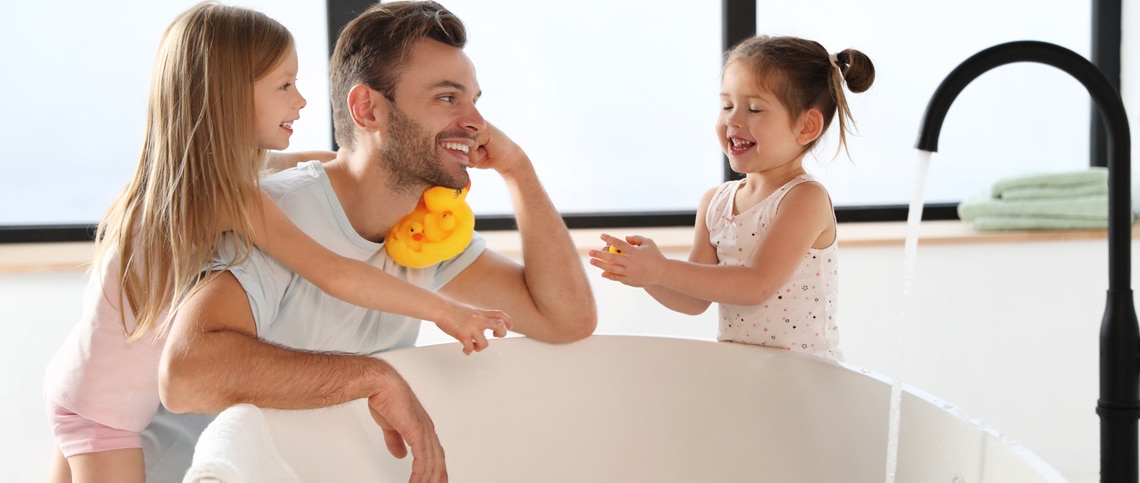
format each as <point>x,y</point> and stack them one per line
<point>339,13</point>
<point>738,23</point>
<point>1106,27</point>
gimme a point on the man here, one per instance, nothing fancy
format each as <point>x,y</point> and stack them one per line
<point>404,111</point>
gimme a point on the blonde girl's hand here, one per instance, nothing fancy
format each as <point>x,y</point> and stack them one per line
<point>639,264</point>
<point>494,150</point>
<point>468,326</point>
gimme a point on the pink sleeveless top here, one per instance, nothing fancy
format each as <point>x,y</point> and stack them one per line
<point>96,373</point>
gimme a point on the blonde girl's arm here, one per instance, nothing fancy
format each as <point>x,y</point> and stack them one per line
<point>804,215</point>
<point>362,284</point>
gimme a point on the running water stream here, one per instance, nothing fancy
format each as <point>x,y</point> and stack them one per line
<point>910,251</point>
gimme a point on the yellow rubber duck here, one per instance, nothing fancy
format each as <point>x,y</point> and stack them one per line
<point>439,228</point>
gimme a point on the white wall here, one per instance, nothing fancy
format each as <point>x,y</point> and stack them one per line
<point>1006,331</point>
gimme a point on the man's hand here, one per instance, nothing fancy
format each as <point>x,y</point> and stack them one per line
<point>404,420</point>
<point>467,325</point>
<point>494,150</point>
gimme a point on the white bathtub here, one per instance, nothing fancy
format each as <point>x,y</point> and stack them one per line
<point>646,409</point>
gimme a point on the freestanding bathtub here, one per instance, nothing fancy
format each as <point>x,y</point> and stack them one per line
<point>648,409</point>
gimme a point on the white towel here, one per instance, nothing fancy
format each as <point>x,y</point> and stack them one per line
<point>238,448</point>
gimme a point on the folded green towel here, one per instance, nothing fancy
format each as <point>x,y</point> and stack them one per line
<point>1007,223</point>
<point>1084,208</point>
<point>1090,181</point>
<point>1051,192</point>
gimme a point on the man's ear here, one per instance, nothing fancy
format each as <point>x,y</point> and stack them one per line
<point>810,127</point>
<point>369,109</point>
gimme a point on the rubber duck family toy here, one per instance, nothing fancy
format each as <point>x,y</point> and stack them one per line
<point>439,228</point>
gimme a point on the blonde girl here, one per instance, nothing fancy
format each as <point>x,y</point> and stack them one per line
<point>764,247</point>
<point>223,94</point>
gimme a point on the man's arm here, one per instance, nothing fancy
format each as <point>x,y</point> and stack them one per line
<point>213,360</point>
<point>548,297</point>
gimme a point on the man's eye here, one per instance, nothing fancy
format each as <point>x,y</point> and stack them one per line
<point>447,98</point>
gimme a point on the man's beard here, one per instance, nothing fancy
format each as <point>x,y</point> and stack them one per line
<point>411,157</point>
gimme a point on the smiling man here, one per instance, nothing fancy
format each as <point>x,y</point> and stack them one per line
<point>404,97</point>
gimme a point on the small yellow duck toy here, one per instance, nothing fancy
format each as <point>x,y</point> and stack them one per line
<point>439,228</point>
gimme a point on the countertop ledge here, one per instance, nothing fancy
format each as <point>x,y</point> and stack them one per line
<point>38,257</point>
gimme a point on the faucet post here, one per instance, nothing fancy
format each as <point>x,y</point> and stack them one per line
<point>1119,402</point>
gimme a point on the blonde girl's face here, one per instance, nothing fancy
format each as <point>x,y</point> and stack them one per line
<point>277,103</point>
<point>754,128</point>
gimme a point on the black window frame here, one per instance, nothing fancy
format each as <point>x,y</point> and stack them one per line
<point>738,22</point>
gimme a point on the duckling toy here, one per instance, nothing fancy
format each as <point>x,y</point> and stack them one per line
<point>439,228</point>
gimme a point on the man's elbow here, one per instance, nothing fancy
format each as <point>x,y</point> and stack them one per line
<point>577,327</point>
<point>693,310</point>
<point>179,390</point>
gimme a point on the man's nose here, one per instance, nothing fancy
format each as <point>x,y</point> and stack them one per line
<point>472,120</point>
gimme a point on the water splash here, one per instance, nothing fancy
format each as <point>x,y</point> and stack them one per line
<point>910,252</point>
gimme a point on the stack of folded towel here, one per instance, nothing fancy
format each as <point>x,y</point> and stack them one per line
<point>1073,200</point>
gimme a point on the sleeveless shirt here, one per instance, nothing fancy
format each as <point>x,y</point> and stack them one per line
<point>800,315</point>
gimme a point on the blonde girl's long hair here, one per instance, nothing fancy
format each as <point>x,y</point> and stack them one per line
<point>199,163</point>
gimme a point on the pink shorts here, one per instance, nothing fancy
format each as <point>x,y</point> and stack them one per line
<point>76,434</point>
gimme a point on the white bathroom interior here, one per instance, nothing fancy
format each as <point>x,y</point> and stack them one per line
<point>1003,326</point>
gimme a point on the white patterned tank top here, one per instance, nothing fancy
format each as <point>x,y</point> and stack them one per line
<point>800,316</point>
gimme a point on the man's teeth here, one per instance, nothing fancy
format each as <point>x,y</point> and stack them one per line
<point>287,124</point>
<point>456,146</point>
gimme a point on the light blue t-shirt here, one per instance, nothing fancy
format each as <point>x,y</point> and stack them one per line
<point>292,312</point>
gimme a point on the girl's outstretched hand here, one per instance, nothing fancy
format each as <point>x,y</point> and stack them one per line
<point>637,261</point>
<point>467,325</point>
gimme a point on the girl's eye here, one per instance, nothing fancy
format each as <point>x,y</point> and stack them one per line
<point>287,86</point>
<point>754,110</point>
<point>726,108</point>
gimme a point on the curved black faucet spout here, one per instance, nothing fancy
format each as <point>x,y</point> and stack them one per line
<point>1119,402</point>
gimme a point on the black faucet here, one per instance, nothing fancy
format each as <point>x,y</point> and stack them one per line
<point>1119,402</point>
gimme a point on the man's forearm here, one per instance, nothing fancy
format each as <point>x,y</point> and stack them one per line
<point>227,368</point>
<point>552,266</point>
<point>213,360</point>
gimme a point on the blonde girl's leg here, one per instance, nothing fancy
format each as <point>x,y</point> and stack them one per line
<point>94,452</point>
<point>118,465</point>
<point>60,470</point>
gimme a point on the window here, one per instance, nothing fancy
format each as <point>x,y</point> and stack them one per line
<point>75,102</point>
<point>1011,120</point>
<point>614,102</point>
<point>615,105</point>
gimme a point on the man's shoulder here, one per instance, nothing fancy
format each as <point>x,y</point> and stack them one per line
<point>305,176</point>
